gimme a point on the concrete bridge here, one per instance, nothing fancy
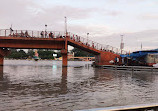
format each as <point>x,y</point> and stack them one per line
<point>24,39</point>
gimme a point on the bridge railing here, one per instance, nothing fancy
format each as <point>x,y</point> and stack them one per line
<point>95,45</point>
<point>57,34</point>
<point>30,33</point>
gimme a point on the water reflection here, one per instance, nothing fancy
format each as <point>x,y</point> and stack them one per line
<point>63,86</point>
<point>52,87</point>
<point>1,72</point>
<point>34,87</point>
<point>144,76</point>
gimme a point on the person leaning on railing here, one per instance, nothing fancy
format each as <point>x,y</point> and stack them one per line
<point>50,35</point>
<point>45,34</point>
<point>22,34</point>
<point>42,34</point>
<point>26,34</point>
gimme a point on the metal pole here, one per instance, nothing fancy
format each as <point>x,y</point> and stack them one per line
<point>121,45</point>
<point>45,30</point>
<point>87,37</point>
<point>5,32</point>
<point>65,26</point>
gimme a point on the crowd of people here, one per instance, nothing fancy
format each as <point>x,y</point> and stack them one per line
<point>21,34</point>
<point>50,34</point>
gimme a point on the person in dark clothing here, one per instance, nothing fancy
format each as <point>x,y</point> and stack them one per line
<point>50,35</point>
<point>42,34</point>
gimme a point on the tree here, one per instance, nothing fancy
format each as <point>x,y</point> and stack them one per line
<point>30,53</point>
<point>81,53</point>
<point>45,54</point>
<point>17,54</point>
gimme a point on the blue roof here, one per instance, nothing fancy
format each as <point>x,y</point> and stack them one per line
<point>138,54</point>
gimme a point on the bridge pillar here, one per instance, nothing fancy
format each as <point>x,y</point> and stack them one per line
<point>64,57</point>
<point>1,60</point>
<point>1,72</point>
<point>106,58</point>
<point>3,52</point>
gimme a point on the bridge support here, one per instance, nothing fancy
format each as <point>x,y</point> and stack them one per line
<point>1,72</point>
<point>106,58</point>
<point>64,57</point>
<point>3,52</point>
<point>1,60</point>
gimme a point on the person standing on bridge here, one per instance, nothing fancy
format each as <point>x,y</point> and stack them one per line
<point>42,34</point>
<point>116,60</point>
<point>93,44</point>
<point>26,33</point>
<point>50,35</point>
<point>45,34</point>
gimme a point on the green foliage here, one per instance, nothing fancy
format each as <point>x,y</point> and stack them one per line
<point>45,54</point>
<point>21,54</point>
<point>17,54</point>
<point>30,53</point>
<point>80,53</point>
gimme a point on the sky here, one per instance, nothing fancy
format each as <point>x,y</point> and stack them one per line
<point>104,20</point>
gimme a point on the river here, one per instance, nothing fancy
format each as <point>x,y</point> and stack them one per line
<point>44,85</point>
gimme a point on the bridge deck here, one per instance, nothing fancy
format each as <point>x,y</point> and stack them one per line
<point>74,40</point>
<point>32,43</point>
<point>58,41</point>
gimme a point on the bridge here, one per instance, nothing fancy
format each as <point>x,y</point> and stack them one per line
<point>26,39</point>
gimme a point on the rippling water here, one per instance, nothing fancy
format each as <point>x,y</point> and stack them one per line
<point>45,85</point>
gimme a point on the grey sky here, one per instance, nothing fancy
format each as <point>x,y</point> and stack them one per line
<point>105,20</point>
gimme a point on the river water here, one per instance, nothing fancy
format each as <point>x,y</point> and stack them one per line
<point>45,85</point>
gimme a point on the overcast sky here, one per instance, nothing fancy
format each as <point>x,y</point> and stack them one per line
<point>104,20</point>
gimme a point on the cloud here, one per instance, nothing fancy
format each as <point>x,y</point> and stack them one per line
<point>58,12</point>
<point>132,40</point>
<point>103,19</point>
<point>92,29</point>
<point>27,14</point>
<point>15,12</point>
<point>151,16</point>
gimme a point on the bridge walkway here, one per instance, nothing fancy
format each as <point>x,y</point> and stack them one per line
<point>56,40</point>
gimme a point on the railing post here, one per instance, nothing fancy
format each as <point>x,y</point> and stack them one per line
<point>54,35</point>
<point>5,33</point>
<point>38,34</point>
<point>16,33</point>
<point>21,34</point>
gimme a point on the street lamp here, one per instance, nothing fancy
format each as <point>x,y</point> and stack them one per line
<point>45,30</point>
<point>65,26</point>
<point>45,27</point>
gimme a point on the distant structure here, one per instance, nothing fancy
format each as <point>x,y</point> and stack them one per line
<point>27,39</point>
<point>36,57</point>
<point>122,44</point>
<point>143,58</point>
